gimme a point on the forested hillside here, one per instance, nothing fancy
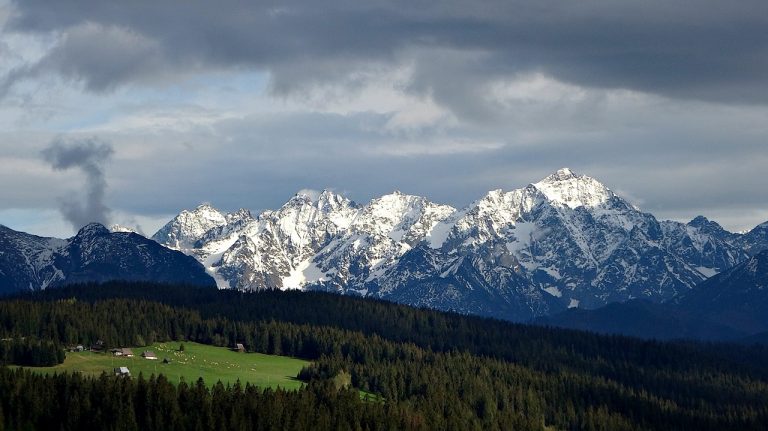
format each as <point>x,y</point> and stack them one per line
<point>431,370</point>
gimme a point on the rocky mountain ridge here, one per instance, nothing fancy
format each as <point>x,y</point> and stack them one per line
<point>565,241</point>
<point>731,305</point>
<point>29,262</point>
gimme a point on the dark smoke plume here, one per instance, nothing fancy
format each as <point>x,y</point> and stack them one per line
<point>88,155</point>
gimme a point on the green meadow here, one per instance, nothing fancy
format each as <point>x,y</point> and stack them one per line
<point>211,363</point>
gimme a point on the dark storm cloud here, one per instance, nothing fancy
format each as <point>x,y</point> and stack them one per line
<point>270,157</point>
<point>89,156</point>
<point>562,59</point>
<point>706,50</point>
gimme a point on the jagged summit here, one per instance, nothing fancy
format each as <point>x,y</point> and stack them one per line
<point>755,240</point>
<point>303,197</point>
<point>205,206</point>
<point>563,174</point>
<point>326,200</point>
<point>400,215</point>
<point>189,226</point>
<point>239,215</point>
<point>315,196</point>
<point>93,229</point>
<point>396,205</point>
<point>204,210</point>
<point>706,225</point>
<point>699,220</point>
<point>396,197</point>
<point>316,209</point>
<point>208,211</point>
<point>702,222</point>
<point>570,189</point>
<point>565,241</point>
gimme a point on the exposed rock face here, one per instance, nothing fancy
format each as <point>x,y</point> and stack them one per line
<point>565,241</point>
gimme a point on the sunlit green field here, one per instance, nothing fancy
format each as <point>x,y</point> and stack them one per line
<point>197,360</point>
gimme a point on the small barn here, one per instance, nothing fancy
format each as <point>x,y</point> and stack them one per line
<point>148,354</point>
<point>128,353</point>
<point>239,347</point>
<point>122,372</point>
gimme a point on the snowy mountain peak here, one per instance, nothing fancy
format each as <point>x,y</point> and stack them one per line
<point>396,222</point>
<point>189,226</point>
<point>203,214</point>
<point>116,228</point>
<point>330,201</point>
<point>397,198</point>
<point>564,174</point>
<point>326,200</point>
<point>208,211</point>
<point>569,189</point>
<point>398,211</point>
<point>241,214</point>
<point>564,240</point>
<point>303,197</point>
<point>503,207</point>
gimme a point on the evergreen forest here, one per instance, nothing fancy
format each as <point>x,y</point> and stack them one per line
<point>426,369</point>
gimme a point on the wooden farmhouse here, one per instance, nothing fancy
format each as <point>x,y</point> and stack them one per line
<point>124,351</point>
<point>148,354</point>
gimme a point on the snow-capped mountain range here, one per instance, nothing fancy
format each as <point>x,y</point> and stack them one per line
<point>565,241</point>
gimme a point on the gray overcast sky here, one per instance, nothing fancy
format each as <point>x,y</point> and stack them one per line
<point>162,105</point>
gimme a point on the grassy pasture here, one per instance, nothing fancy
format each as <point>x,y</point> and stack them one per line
<point>197,360</point>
